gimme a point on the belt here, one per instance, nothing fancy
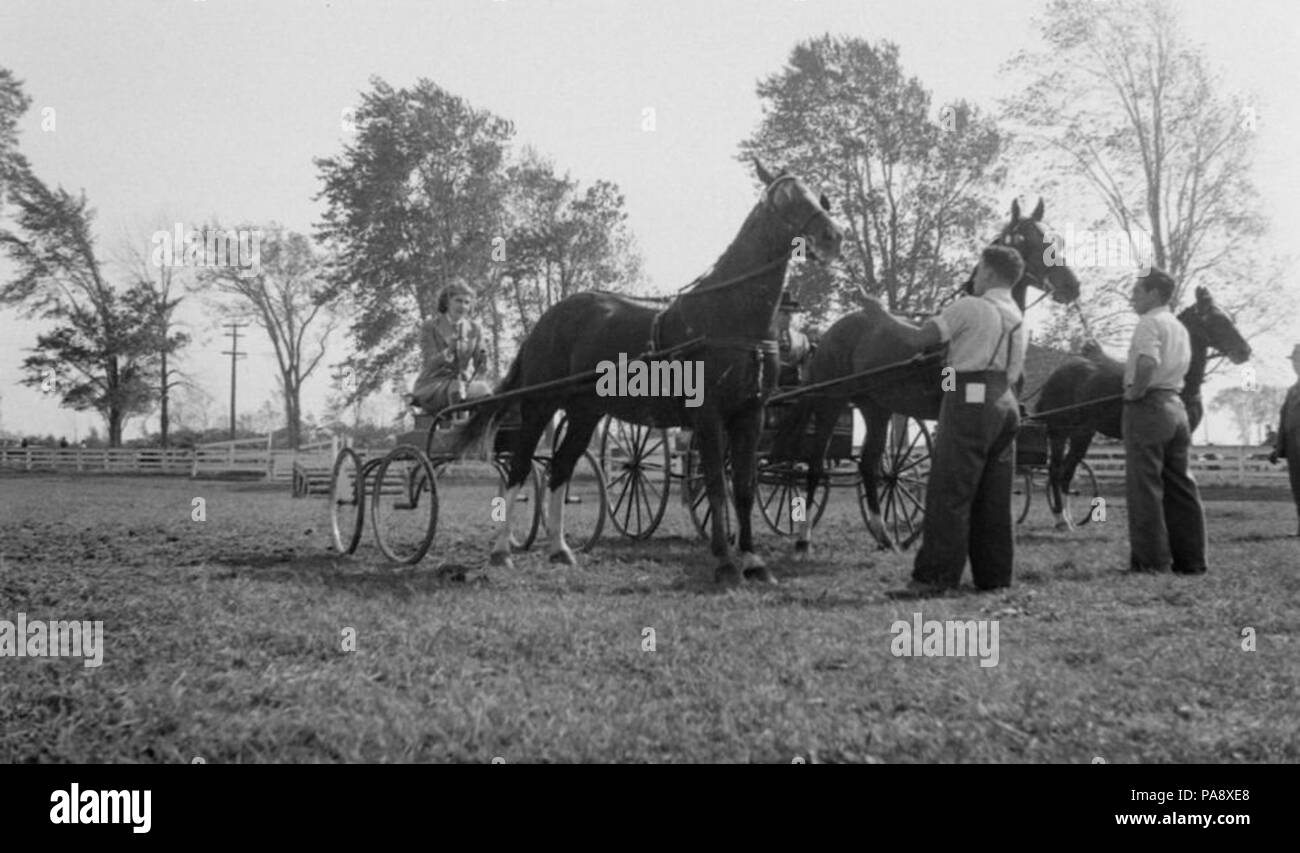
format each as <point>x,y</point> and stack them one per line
<point>981,375</point>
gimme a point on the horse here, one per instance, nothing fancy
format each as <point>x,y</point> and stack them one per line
<point>1097,375</point>
<point>867,339</point>
<point>730,312</point>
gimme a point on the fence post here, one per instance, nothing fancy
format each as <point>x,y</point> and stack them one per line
<point>1241,467</point>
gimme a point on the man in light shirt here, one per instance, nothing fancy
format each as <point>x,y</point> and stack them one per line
<point>1166,522</point>
<point>968,496</point>
<point>1286,442</point>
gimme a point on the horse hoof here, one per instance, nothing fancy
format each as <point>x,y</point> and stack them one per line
<point>802,551</point>
<point>564,557</point>
<point>761,574</point>
<point>727,576</point>
<point>501,558</point>
<point>1063,526</point>
<point>516,546</point>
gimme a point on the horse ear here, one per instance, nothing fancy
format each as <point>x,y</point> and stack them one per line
<point>1037,215</point>
<point>763,175</point>
<point>1203,296</point>
<point>1015,211</point>
<point>826,203</point>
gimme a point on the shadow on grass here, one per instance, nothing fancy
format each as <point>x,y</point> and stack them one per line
<point>337,572</point>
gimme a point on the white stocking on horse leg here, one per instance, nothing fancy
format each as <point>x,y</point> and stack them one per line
<point>559,551</point>
<point>501,547</point>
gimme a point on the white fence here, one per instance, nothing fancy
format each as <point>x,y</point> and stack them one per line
<point>1223,465</point>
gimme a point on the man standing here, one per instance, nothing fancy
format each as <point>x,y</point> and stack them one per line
<point>1166,523</point>
<point>791,343</point>
<point>1287,441</point>
<point>968,497</point>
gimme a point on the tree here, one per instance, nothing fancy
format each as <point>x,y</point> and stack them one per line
<point>911,189</point>
<point>413,205</point>
<point>284,294</point>
<point>1251,410</point>
<point>13,103</point>
<point>562,239</point>
<point>1120,105</point>
<point>158,282</point>
<point>104,346</point>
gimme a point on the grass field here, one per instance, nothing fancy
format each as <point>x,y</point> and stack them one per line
<point>224,641</point>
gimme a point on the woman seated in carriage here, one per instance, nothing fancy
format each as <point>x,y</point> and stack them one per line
<point>455,357</point>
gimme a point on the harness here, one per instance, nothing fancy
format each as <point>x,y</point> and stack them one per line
<point>759,348</point>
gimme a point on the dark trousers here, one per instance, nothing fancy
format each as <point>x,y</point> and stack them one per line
<point>1166,523</point>
<point>968,497</point>
<point>1292,444</point>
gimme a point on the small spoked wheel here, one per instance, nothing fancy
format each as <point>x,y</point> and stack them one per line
<point>1083,491</point>
<point>782,495</point>
<point>637,462</point>
<point>696,493</point>
<point>585,502</point>
<point>527,516</point>
<point>1022,493</point>
<point>404,504</point>
<point>904,472</point>
<point>347,501</point>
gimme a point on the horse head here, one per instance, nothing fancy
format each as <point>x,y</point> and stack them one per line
<point>796,214</point>
<point>1208,323</point>
<point>1045,267</point>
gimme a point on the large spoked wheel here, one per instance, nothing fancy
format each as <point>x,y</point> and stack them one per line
<point>904,471</point>
<point>780,485</point>
<point>697,494</point>
<point>637,462</point>
<point>585,502</point>
<point>528,507</point>
<point>404,505</point>
<point>347,501</point>
<point>1022,493</point>
<point>1083,490</point>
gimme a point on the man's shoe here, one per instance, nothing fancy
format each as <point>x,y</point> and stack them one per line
<point>1143,569</point>
<point>1179,570</point>
<point>918,589</point>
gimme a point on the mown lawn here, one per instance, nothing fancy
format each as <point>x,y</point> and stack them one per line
<point>223,641</point>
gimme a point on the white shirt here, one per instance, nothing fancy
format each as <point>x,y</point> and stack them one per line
<point>976,331</point>
<point>1161,336</point>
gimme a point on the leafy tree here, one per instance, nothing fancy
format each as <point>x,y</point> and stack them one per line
<point>414,204</point>
<point>285,294</point>
<point>1121,107</point>
<point>1251,410</point>
<point>911,187</point>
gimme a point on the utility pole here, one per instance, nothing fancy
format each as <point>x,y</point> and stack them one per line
<point>235,355</point>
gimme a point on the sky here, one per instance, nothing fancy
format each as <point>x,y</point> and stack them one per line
<point>197,110</point>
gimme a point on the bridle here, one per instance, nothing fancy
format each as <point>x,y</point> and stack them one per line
<point>770,265</point>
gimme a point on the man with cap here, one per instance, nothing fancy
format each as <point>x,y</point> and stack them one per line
<point>1287,441</point>
<point>968,496</point>
<point>792,344</point>
<point>1166,522</point>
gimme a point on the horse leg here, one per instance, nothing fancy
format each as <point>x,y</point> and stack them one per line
<point>1056,445</point>
<point>711,438</point>
<point>582,423</point>
<point>1079,443</point>
<point>744,432</point>
<point>873,450</point>
<point>534,416</point>
<point>824,421</point>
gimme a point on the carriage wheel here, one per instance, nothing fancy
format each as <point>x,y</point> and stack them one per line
<point>404,505</point>
<point>637,462</point>
<point>528,518</point>
<point>697,495</point>
<point>904,470</point>
<point>779,485</point>
<point>585,501</point>
<point>347,501</point>
<point>1083,486</point>
<point>1022,493</point>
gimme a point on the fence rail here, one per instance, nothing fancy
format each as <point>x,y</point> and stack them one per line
<point>1212,464</point>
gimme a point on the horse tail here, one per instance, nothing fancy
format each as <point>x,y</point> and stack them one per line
<point>791,428</point>
<point>487,413</point>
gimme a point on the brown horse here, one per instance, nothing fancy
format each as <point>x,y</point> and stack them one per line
<point>1081,379</point>
<point>871,338</point>
<point>732,308</point>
